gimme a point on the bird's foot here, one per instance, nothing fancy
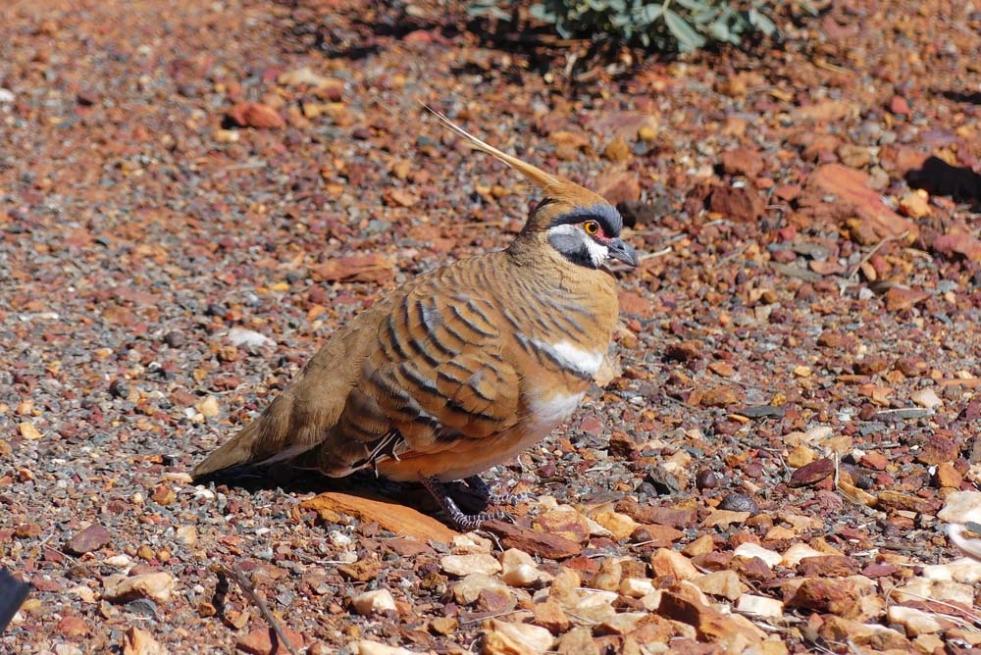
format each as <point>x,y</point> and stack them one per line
<point>482,489</point>
<point>457,517</point>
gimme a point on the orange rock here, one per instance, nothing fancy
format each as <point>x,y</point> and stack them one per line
<point>264,641</point>
<point>397,518</point>
<point>852,190</point>
<point>256,115</point>
<point>359,268</point>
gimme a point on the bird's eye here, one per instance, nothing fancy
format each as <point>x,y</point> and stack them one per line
<point>592,228</point>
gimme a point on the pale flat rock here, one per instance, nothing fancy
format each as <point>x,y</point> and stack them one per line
<point>140,642</point>
<point>927,398</point>
<point>503,638</point>
<point>374,602</point>
<point>396,518</point>
<point>965,569</point>
<point>723,518</point>
<point>665,562</point>
<point>916,622</point>
<point>469,589</point>
<point>750,550</point>
<point>636,587</point>
<point>961,507</point>
<point>920,588</point>
<point>521,570</point>
<point>471,542</point>
<point>793,555</point>
<point>721,583</point>
<point>462,565</point>
<point>157,586</point>
<point>368,647</point>
<point>759,606</point>
<point>248,338</point>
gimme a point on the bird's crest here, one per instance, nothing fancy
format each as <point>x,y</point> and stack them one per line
<point>546,181</point>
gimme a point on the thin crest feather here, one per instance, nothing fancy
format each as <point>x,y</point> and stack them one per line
<point>544,180</point>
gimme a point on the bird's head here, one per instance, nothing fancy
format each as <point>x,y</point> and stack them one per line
<point>578,224</point>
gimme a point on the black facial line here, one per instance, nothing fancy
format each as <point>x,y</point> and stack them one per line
<point>606,215</point>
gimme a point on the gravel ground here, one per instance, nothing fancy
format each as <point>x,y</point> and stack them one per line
<point>194,195</point>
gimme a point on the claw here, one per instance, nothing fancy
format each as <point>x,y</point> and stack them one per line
<point>460,520</point>
<point>482,489</point>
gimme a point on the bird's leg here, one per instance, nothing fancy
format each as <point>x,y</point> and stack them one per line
<point>482,489</point>
<point>459,519</point>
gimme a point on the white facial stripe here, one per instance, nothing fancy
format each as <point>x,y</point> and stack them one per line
<point>597,252</point>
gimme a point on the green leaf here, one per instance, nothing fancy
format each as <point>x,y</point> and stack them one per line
<point>649,14</point>
<point>688,38</point>
<point>762,22</point>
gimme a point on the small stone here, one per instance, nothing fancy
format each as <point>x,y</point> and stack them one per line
<point>158,586</point>
<point>550,616</point>
<point>374,602</point>
<point>704,545</point>
<point>91,538</point>
<point>899,106</point>
<point>742,161</point>
<point>617,150</point>
<point>916,622</point>
<point>721,583</point>
<point>578,641</point>
<point>723,518</point>
<point>800,456</point>
<point>256,115</point>
<point>209,407</point>
<point>828,566</point>
<point>964,569</point>
<point>119,388</point>
<point>706,479</point>
<point>636,587</point>
<point>468,590</point>
<point>927,398</point>
<point>72,627</point>
<point>666,562</point>
<point>741,204</point>
<point>140,642</point>
<point>443,625</point>
<point>737,502</point>
<point>28,431</point>
<point>242,338</point>
<point>621,526</point>
<point>503,638</point>
<point>175,339</point>
<point>369,647</point>
<point>839,596</point>
<point>812,473</point>
<point>520,569</point>
<point>842,630</point>
<point>260,641</point>
<point>793,555</point>
<point>609,575</point>
<point>462,565</point>
<point>760,606</point>
<point>565,522</point>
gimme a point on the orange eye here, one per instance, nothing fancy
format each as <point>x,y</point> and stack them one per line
<point>592,227</point>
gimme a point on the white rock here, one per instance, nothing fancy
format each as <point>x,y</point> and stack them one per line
<point>961,507</point>
<point>248,338</point>
<point>373,602</point>
<point>651,601</point>
<point>927,398</point>
<point>916,622</point>
<point>749,550</point>
<point>85,594</point>
<point>471,542</point>
<point>368,647</point>
<point>596,598</point>
<point>462,565</point>
<point>468,590</point>
<point>636,587</point>
<point>518,638</point>
<point>793,555</point>
<point>6,96</point>
<point>759,606</point>
<point>120,561</point>
<point>157,586</point>
<point>721,583</point>
<point>922,589</point>
<point>964,570</point>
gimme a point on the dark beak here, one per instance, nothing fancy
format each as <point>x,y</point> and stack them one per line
<point>620,249</point>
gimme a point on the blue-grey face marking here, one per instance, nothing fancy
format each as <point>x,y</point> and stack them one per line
<point>606,215</point>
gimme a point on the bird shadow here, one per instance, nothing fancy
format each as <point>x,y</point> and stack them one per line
<point>937,177</point>
<point>364,484</point>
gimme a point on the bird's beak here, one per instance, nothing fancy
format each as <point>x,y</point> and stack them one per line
<point>620,249</point>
